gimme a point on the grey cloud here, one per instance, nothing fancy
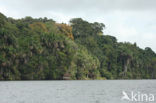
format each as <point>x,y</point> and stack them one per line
<point>80,5</point>
<point>136,14</point>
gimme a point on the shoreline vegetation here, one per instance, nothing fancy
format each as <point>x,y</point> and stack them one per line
<point>41,49</point>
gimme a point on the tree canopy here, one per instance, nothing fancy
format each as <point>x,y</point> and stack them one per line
<point>41,49</point>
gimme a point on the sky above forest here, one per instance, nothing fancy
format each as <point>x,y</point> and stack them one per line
<point>127,20</point>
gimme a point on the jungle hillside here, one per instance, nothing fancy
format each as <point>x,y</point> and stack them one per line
<point>42,49</point>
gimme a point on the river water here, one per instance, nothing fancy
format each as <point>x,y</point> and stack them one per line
<point>85,91</point>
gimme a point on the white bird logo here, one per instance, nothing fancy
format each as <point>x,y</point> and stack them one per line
<point>125,96</point>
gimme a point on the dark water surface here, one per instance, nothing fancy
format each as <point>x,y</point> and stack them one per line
<point>87,91</point>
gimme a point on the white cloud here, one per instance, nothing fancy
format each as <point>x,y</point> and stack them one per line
<point>128,20</point>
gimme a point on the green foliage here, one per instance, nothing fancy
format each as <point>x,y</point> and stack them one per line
<point>83,28</point>
<point>40,49</point>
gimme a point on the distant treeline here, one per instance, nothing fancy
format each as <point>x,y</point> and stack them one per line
<point>41,49</point>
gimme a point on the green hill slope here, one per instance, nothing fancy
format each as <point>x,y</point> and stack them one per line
<point>41,49</point>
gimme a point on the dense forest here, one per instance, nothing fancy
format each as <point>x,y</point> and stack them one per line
<point>41,49</point>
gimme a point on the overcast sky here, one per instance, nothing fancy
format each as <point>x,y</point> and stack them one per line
<point>127,20</point>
